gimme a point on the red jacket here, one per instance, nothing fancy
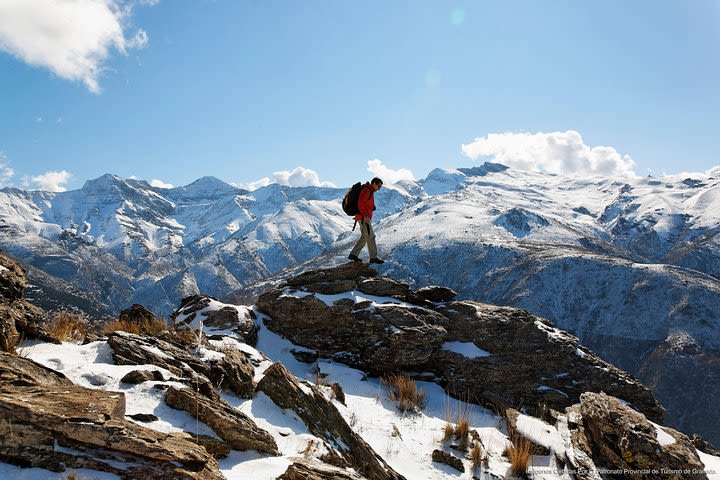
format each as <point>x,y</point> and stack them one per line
<point>366,202</point>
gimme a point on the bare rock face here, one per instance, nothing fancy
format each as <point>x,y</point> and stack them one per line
<point>137,314</point>
<point>619,438</point>
<point>448,459</point>
<point>302,469</point>
<point>237,429</point>
<point>325,422</point>
<point>242,323</point>
<point>47,422</point>
<point>232,371</point>
<point>18,318</point>
<point>498,355</point>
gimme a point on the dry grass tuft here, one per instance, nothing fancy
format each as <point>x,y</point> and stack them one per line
<point>67,326</point>
<point>404,392</point>
<point>153,327</point>
<point>448,431</point>
<point>478,458</point>
<point>519,453</point>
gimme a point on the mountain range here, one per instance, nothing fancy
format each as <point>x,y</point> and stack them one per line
<point>629,265</point>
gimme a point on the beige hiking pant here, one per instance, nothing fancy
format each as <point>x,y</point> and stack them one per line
<point>367,235</point>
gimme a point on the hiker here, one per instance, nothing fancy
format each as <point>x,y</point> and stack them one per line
<point>366,205</point>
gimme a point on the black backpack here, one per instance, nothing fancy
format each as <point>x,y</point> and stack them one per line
<point>350,202</point>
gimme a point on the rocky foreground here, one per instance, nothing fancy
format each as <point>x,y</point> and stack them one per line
<point>181,405</point>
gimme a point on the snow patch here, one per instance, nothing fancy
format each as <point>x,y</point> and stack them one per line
<point>466,349</point>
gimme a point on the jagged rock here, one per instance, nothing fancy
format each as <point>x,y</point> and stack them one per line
<point>137,314</point>
<point>140,376</point>
<point>302,469</point>
<point>325,422</point>
<point>347,271</point>
<point>375,339</point>
<point>338,392</point>
<point>382,286</point>
<point>19,319</point>
<point>435,293</point>
<point>618,437</point>
<point>54,424</point>
<point>332,287</point>
<point>511,416</point>
<point>704,446</point>
<point>232,371</point>
<point>530,363</point>
<point>242,322</point>
<point>449,459</point>
<point>217,448</point>
<point>18,371</point>
<point>230,424</point>
<point>144,417</point>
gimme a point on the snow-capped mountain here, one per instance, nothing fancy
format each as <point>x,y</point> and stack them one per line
<point>629,265</point>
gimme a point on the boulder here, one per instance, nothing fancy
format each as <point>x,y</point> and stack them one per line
<point>620,438</point>
<point>237,429</point>
<point>47,422</point>
<point>448,459</point>
<point>331,287</point>
<point>140,376</point>
<point>137,314</point>
<point>302,469</point>
<point>325,422</point>
<point>230,370</point>
<point>435,293</point>
<point>347,271</point>
<point>240,321</point>
<point>383,287</point>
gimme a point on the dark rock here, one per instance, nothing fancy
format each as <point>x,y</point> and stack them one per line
<point>144,417</point>
<point>302,469</point>
<point>140,376</point>
<point>332,287</point>
<point>435,293</point>
<point>350,270</point>
<point>618,437</point>
<point>383,287</point>
<point>232,372</point>
<point>217,448</point>
<point>230,424</point>
<point>325,422</point>
<point>240,321</point>
<point>338,392</point>
<point>704,446</point>
<point>449,459</point>
<point>304,356</point>
<point>137,314</point>
<point>54,424</point>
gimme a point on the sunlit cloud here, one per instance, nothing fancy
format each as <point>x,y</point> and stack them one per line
<point>160,184</point>
<point>388,175</point>
<point>6,173</point>
<point>554,152</point>
<point>72,39</point>
<point>300,177</point>
<point>51,181</point>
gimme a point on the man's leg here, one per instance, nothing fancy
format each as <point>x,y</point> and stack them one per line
<point>361,241</point>
<point>372,247</point>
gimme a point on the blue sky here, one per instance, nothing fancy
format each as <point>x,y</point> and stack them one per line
<point>240,89</point>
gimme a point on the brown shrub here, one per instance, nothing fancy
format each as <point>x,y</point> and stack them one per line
<point>519,453</point>
<point>477,456</point>
<point>67,326</point>
<point>404,392</point>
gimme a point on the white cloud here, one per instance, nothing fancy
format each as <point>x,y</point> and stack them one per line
<point>70,38</point>
<point>51,181</point>
<point>6,173</point>
<point>388,175</point>
<point>555,152</point>
<point>714,171</point>
<point>263,182</point>
<point>300,177</point>
<point>160,184</point>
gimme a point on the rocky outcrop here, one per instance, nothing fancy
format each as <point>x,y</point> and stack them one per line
<point>137,314</point>
<point>227,318</point>
<point>18,318</point>
<point>617,437</point>
<point>448,459</point>
<point>501,355</point>
<point>302,469</point>
<point>47,422</point>
<point>230,370</point>
<point>347,448</point>
<point>230,424</point>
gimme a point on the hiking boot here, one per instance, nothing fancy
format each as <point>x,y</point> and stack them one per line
<point>377,260</point>
<point>354,258</point>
